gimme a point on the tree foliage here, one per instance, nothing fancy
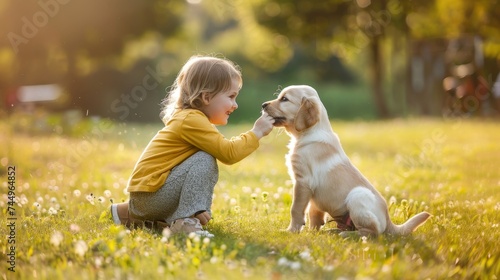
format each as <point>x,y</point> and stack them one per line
<point>55,33</point>
<point>63,40</point>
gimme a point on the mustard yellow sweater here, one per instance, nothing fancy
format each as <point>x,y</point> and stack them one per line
<point>187,132</point>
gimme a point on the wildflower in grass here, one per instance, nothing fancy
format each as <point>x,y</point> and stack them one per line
<point>283,261</point>
<point>122,234</point>
<point>23,200</point>
<point>363,239</point>
<point>98,261</point>
<point>195,237</point>
<point>166,233</point>
<point>52,211</point>
<point>404,203</point>
<point>107,193</point>
<point>233,201</point>
<point>77,193</point>
<point>253,196</point>
<point>392,200</point>
<point>206,240</point>
<point>74,228</point>
<point>37,206</point>
<point>53,200</point>
<point>80,247</point>
<point>56,238</point>
<point>264,195</point>
<point>191,235</point>
<point>305,255</point>
<point>101,199</point>
<point>90,198</point>
<point>295,265</point>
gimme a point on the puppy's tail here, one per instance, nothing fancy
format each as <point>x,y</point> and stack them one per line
<point>409,226</point>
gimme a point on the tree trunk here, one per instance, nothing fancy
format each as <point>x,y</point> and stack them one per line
<point>410,100</point>
<point>70,80</point>
<point>378,78</point>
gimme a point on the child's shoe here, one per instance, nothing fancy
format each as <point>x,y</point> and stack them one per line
<point>188,225</point>
<point>121,216</point>
<point>119,213</point>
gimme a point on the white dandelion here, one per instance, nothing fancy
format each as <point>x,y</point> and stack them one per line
<point>56,238</point>
<point>81,248</point>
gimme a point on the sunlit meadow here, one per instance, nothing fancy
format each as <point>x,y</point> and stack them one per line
<point>65,183</point>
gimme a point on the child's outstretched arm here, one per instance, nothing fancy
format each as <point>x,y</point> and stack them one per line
<point>263,125</point>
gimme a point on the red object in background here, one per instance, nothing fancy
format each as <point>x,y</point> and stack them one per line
<point>11,99</point>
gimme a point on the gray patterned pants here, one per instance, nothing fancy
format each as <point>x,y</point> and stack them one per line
<point>188,189</point>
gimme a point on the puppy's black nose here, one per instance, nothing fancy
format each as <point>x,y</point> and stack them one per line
<point>264,105</point>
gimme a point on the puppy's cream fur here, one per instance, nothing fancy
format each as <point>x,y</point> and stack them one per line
<point>324,178</point>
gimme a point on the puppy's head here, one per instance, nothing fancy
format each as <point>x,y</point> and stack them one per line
<point>295,109</point>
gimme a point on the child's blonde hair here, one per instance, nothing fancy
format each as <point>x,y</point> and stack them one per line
<point>200,74</point>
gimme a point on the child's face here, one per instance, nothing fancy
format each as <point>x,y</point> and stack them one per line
<point>219,107</point>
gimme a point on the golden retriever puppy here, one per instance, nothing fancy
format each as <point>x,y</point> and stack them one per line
<point>323,176</point>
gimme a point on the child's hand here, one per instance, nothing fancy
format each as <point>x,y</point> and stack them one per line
<point>204,218</point>
<point>263,125</point>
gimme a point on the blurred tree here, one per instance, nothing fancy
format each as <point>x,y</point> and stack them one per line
<point>49,38</point>
<point>317,24</point>
<point>234,29</point>
<point>455,18</point>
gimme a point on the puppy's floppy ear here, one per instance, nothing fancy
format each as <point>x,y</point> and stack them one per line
<point>308,114</point>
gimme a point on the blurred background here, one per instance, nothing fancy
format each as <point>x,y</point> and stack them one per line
<point>62,61</point>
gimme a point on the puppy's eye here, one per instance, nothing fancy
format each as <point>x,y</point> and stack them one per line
<point>283,99</point>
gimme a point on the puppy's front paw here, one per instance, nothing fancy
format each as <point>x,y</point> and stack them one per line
<point>295,228</point>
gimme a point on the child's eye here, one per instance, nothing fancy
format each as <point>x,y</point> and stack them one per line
<point>283,99</point>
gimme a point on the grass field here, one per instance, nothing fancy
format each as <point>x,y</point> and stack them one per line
<point>60,228</point>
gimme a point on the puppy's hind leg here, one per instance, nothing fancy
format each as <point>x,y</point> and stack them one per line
<point>316,216</point>
<point>365,212</point>
<point>365,226</point>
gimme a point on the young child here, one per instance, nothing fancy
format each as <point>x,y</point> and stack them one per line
<point>173,181</point>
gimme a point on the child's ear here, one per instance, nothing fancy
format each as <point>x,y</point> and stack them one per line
<point>205,98</point>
